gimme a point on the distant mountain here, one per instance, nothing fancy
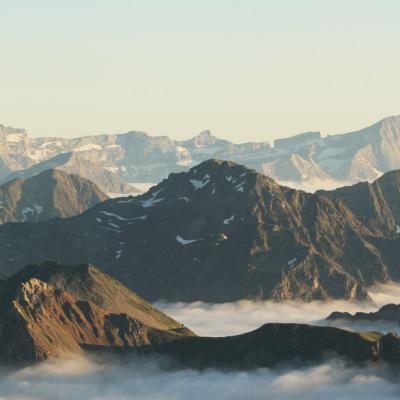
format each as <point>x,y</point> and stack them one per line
<point>387,313</point>
<point>52,193</point>
<point>52,310</point>
<point>13,150</point>
<point>86,166</point>
<point>308,160</point>
<point>220,232</point>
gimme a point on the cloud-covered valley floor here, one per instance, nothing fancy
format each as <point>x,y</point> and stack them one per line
<point>242,316</point>
<point>91,378</point>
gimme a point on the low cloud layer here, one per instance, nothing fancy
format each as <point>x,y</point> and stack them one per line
<point>84,378</point>
<point>242,316</point>
<point>91,378</point>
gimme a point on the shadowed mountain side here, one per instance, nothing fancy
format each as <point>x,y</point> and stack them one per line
<point>52,193</point>
<point>269,346</point>
<point>387,313</point>
<point>217,233</point>
<point>376,204</point>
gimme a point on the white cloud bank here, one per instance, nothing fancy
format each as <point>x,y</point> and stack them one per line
<point>242,316</point>
<point>83,378</point>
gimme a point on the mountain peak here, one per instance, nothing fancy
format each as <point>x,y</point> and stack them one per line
<point>59,312</point>
<point>204,138</point>
<point>215,163</point>
<point>87,283</point>
<point>49,194</point>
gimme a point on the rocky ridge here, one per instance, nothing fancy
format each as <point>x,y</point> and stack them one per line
<point>220,232</point>
<point>53,310</point>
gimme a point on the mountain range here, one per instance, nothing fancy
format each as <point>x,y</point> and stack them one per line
<point>222,232</point>
<point>50,194</point>
<point>307,161</point>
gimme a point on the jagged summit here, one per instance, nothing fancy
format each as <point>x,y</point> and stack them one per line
<point>87,283</point>
<point>49,310</point>
<point>204,138</point>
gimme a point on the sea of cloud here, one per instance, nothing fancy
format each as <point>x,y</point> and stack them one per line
<point>85,378</point>
<point>242,316</point>
<point>100,379</point>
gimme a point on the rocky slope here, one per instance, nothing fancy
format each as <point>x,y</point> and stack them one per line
<point>52,310</point>
<point>50,194</point>
<point>307,160</point>
<point>220,232</point>
<point>375,204</point>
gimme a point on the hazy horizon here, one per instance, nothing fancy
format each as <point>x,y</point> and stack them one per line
<point>245,70</point>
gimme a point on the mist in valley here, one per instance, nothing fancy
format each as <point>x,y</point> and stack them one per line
<point>242,316</point>
<point>90,378</point>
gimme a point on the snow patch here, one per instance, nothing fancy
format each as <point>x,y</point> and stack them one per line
<point>142,218</point>
<point>87,147</point>
<point>152,200</point>
<point>126,200</point>
<point>239,187</point>
<point>109,214</point>
<point>184,242</point>
<point>199,184</point>
<point>35,209</point>
<point>15,138</point>
<point>229,220</point>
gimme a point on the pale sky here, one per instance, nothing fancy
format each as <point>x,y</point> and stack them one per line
<point>244,69</point>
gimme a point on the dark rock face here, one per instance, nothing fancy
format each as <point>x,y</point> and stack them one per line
<point>388,313</point>
<point>375,204</point>
<point>273,344</point>
<point>40,320</point>
<point>220,232</point>
<point>51,194</point>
